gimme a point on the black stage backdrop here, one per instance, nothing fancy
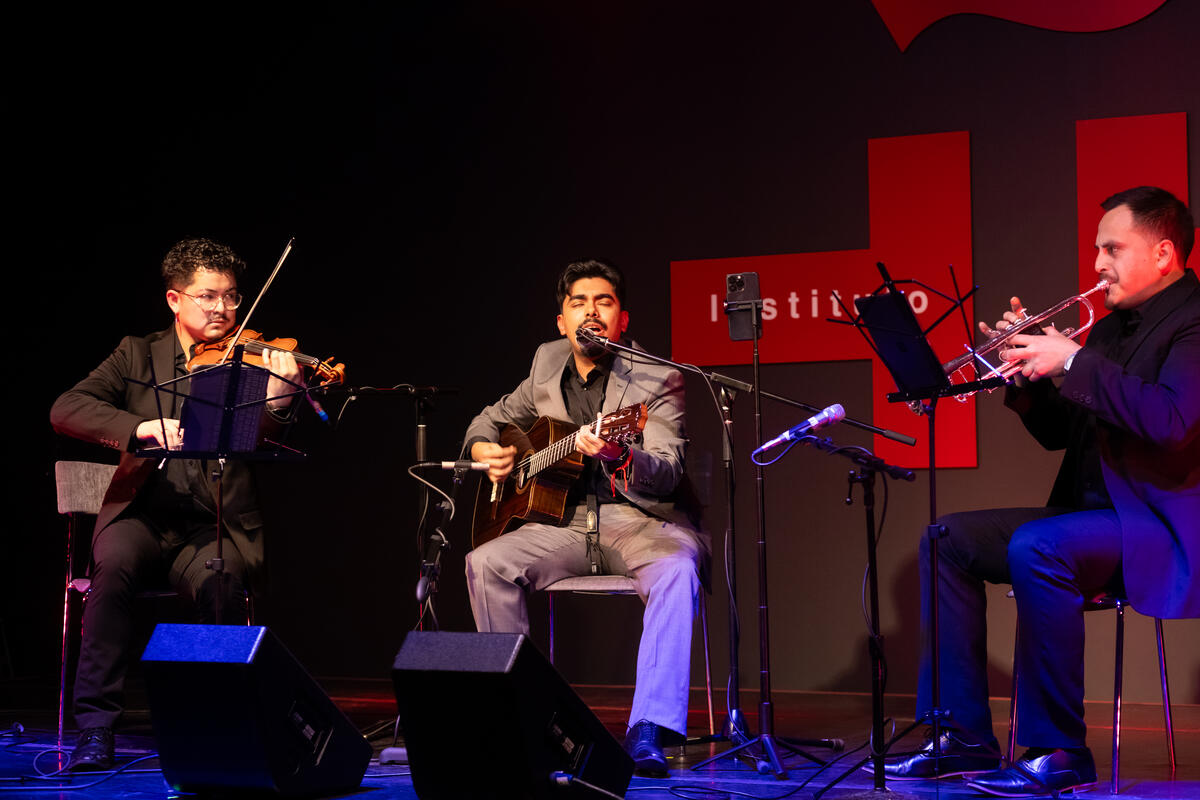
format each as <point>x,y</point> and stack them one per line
<point>438,164</point>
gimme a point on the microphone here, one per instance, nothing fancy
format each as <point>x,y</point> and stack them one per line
<point>587,338</point>
<point>591,343</point>
<point>830,415</point>
<point>474,466</point>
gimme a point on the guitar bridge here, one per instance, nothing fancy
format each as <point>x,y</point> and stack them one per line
<point>497,496</point>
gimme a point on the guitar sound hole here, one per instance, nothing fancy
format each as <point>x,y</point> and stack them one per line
<point>522,479</point>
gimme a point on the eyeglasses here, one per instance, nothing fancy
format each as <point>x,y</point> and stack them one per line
<point>209,300</point>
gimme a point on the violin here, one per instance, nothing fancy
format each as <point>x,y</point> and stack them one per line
<point>254,345</point>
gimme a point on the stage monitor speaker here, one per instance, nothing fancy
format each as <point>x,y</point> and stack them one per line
<point>486,716</point>
<point>232,708</point>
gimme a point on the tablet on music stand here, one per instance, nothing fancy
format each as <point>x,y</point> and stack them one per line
<point>205,410</point>
<point>901,344</point>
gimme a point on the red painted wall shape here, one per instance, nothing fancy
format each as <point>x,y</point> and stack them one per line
<point>905,19</point>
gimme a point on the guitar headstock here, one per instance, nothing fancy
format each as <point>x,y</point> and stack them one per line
<point>623,425</point>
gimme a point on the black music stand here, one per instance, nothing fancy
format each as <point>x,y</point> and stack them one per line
<point>221,419</point>
<point>897,338</point>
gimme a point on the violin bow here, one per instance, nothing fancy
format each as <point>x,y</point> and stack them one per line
<point>246,320</point>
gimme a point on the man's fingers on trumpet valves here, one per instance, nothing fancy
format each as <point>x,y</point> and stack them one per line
<point>1016,314</point>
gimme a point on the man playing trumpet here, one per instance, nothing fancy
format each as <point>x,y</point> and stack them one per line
<point>1123,515</point>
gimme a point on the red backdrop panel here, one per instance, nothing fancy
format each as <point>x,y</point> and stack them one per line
<point>920,222</point>
<point>1117,153</point>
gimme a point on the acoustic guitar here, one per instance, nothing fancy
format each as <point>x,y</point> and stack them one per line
<point>546,465</point>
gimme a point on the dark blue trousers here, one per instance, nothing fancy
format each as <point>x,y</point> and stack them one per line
<point>1055,559</point>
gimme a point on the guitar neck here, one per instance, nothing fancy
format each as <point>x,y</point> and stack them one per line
<point>549,456</point>
<point>617,426</point>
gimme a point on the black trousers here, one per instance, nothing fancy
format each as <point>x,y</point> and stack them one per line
<point>132,554</point>
<point>1055,559</point>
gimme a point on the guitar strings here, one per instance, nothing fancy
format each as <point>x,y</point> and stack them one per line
<point>552,454</point>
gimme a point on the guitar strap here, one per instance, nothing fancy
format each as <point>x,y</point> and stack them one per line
<point>591,534</point>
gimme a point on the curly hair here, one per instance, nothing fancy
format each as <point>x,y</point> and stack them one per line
<point>188,255</point>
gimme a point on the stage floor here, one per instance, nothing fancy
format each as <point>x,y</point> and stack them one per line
<point>371,706</point>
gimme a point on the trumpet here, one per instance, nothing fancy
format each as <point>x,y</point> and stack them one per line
<point>956,369</point>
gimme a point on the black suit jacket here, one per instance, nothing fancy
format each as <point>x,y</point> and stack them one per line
<point>1147,410</point>
<point>106,409</point>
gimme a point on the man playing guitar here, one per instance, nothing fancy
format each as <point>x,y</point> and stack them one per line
<point>625,512</point>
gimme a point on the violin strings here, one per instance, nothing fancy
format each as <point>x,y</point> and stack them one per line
<point>257,347</point>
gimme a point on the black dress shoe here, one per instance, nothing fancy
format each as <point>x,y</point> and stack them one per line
<point>643,742</point>
<point>93,750</point>
<point>1040,772</point>
<point>958,758</point>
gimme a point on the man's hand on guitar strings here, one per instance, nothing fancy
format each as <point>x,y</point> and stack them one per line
<point>498,458</point>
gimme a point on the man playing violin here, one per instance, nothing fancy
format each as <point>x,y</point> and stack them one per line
<point>1123,516</point>
<point>158,524</point>
<point>627,514</point>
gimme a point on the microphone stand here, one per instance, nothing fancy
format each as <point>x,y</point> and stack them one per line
<point>869,466</point>
<point>769,760</point>
<point>433,545</point>
<point>735,723</point>
<point>423,398</point>
<point>437,542</point>
<point>430,565</point>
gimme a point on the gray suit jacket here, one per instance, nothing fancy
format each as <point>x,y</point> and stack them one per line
<point>657,483</point>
